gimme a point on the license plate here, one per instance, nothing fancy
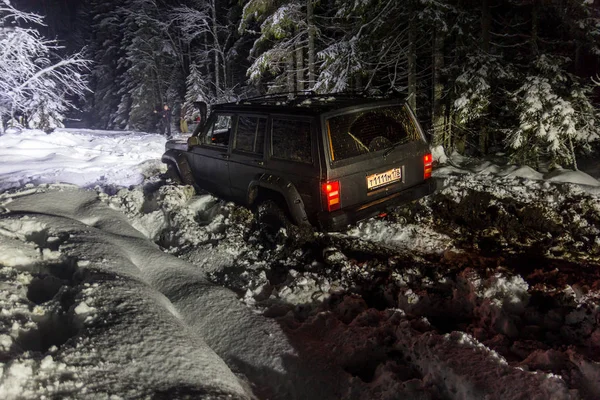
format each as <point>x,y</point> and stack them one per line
<point>385,178</point>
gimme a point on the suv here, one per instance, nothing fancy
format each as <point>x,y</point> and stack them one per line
<point>326,161</point>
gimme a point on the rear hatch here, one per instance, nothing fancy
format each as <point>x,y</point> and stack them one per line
<point>374,152</point>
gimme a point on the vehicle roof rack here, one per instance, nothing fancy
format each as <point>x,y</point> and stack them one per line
<point>298,97</point>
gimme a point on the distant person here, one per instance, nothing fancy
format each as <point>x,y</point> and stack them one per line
<point>165,121</point>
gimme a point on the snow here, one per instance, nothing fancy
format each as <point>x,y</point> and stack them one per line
<point>439,155</point>
<point>576,177</point>
<point>457,164</point>
<point>132,287</point>
<point>402,236</point>
<point>79,157</point>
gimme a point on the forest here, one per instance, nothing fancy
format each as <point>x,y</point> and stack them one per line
<point>515,76</point>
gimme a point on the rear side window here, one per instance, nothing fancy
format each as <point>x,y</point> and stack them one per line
<point>291,140</point>
<point>250,136</point>
<point>368,131</point>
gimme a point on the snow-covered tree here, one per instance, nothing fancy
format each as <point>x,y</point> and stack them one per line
<point>555,115</point>
<point>284,52</point>
<point>479,96</point>
<point>202,30</point>
<point>197,90</point>
<point>33,80</point>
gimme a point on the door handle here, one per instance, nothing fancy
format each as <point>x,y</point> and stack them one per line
<point>259,162</point>
<point>225,156</point>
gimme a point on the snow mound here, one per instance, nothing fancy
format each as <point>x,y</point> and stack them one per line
<point>522,172</point>
<point>460,165</point>
<point>576,177</point>
<point>439,154</point>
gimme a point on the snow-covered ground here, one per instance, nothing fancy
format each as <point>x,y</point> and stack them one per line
<point>81,157</point>
<point>115,282</point>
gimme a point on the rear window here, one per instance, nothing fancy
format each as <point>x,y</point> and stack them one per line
<point>291,140</point>
<point>368,131</point>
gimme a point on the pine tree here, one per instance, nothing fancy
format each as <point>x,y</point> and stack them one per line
<point>197,90</point>
<point>106,19</point>
<point>284,52</point>
<point>555,114</point>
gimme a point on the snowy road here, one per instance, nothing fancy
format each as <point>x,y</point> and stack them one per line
<point>138,288</point>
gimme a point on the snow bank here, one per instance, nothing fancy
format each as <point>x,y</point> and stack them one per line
<point>457,164</point>
<point>576,177</point>
<point>82,157</point>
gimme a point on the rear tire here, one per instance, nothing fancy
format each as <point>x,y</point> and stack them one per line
<point>271,220</point>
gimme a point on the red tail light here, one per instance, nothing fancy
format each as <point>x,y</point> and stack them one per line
<point>427,166</point>
<point>331,192</point>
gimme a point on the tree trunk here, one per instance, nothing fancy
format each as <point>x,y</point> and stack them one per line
<point>205,65</point>
<point>448,121</point>
<point>437,122</point>
<point>573,156</point>
<point>225,84</point>
<point>299,68</point>
<point>534,27</point>
<point>486,25</point>
<point>578,58</point>
<point>311,44</point>
<point>290,72</point>
<point>412,61</point>
<point>358,83</point>
<point>216,45</point>
<point>483,140</point>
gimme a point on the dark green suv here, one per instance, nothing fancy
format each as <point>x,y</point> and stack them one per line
<point>327,161</point>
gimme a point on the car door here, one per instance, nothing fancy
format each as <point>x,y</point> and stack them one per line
<point>293,154</point>
<point>211,157</point>
<point>247,160</point>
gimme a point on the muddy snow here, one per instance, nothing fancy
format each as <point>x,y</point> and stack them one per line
<point>130,286</point>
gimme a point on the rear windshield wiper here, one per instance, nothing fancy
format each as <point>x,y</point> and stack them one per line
<point>394,146</point>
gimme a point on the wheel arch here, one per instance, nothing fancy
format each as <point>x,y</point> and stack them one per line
<point>266,185</point>
<point>178,160</point>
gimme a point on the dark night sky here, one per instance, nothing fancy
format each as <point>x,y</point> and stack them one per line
<point>60,17</point>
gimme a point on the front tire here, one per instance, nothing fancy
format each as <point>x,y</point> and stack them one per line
<point>173,174</point>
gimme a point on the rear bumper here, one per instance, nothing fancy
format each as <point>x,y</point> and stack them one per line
<point>339,220</point>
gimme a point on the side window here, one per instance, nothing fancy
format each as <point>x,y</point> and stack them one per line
<point>250,136</point>
<point>291,140</point>
<point>218,132</point>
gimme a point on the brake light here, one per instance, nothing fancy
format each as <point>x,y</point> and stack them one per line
<point>331,191</point>
<point>427,166</point>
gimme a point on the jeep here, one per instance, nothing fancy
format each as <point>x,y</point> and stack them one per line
<point>326,161</point>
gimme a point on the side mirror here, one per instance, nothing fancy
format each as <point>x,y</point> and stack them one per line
<point>193,141</point>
